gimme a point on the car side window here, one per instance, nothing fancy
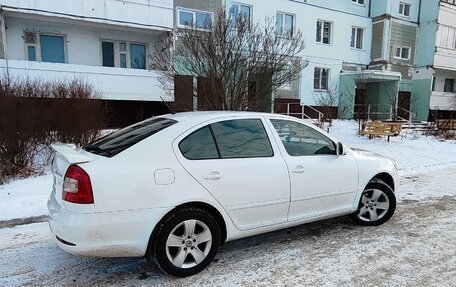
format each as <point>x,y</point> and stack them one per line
<point>300,140</point>
<point>199,145</point>
<point>242,139</point>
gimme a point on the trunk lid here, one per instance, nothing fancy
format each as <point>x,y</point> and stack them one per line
<point>66,155</point>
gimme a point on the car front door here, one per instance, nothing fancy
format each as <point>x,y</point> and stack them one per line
<point>322,182</point>
<point>237,163</point>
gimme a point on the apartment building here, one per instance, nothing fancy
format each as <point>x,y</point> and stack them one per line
<point>338,36</point>
<point>436,56</point>
<point>361,51</point>
<point>104,42</point>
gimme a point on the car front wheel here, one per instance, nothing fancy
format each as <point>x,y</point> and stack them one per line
<point>376,206</point>
<point>187,242</point>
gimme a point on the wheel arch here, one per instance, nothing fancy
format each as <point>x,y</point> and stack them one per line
<point>196,204</point>
<point>386,178</point>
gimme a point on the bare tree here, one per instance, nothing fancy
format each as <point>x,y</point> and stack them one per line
<point>238,64</point>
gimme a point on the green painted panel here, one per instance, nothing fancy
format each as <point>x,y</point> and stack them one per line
<point>347,86</point>
<point>404,36</point>
<point>421,96</point>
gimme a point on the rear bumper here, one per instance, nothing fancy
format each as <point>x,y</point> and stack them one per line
<point>110,234</point>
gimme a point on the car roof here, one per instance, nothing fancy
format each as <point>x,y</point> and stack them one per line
<point>200,116</point>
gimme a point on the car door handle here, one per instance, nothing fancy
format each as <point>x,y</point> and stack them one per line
<point>213,175</point>
<point>299,169</point>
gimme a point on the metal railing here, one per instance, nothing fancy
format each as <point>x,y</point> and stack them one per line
<point>388,112</point>
<point>303,115</point>
<point>410,116</point>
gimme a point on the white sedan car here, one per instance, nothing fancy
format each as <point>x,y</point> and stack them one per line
<point>173,188</point>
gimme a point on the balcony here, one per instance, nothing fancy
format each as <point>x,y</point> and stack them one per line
<point>442,101</point>
<point>112,83</point>
<point>144,14</point>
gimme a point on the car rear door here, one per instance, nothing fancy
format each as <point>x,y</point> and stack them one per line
<point>322,182</point>
<point>235,160</point>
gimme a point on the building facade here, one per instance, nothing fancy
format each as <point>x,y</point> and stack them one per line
<point>375,56</point>
<point>106,43</point>
<point>338,37</point>
<point>436,55</point>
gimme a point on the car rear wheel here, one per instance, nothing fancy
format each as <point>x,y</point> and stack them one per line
<point>376,206</point>
<point>187,242</point>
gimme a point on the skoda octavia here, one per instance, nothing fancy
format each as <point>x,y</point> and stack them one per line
<point>173,188</point>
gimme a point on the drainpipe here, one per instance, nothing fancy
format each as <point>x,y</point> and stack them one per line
<point>5,52</point>
<point>419,13</point>
<point>370,7</point>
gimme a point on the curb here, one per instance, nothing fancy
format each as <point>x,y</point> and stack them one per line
<point>22,221</point>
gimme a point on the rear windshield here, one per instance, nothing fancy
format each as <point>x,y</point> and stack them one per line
<point>122,139</point>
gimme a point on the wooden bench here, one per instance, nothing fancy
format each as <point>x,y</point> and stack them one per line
<point>446,124</point>
<point>378,128</point>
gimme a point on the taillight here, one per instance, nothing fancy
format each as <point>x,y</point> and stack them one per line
<point>76,186</point>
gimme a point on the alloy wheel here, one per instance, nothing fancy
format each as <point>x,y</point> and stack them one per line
<point>188,244</point>
<point>375,205</point>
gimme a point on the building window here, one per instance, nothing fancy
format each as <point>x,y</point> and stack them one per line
<point>449,86</point>
<point>31,53</point>
<point>107,49</point>
<point>404,9</point>
<point>123,54</point>
<point>193,18</point>
<point>402,53</point>
<point>324,32</point>
<point>321,77</point>
<point>240,10</point>
<point>452,2</point>
<point>360,2</point>
<point>52,49</point>
<point>357,38</point>
<point>284,24</point>
<point>137,56</point>
<point>287,75</point>
<point>44,47</point>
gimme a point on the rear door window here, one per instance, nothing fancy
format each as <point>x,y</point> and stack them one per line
<point>242,139</point>
<point>228,139</point>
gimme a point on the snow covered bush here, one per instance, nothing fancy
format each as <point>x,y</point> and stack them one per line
<point>35,113</point>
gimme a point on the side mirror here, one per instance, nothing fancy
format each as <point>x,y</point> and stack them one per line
<point>340,149</point>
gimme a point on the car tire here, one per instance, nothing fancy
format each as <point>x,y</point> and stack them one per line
<point>186,242</point>
<point>376,205</point>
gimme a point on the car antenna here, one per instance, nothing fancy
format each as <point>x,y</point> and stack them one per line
<point>166,104</point>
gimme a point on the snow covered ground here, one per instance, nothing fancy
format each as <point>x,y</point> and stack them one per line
<point>417,247</point>
<point>413,153</point>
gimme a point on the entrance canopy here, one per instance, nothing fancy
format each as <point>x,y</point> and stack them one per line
<point>373,76</point>
<point>374,88</point>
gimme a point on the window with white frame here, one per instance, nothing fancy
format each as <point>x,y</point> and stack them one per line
<point>287,75</point>
<point>448,86</point>
<point>285,24</point>
<point>324,32</point>
<point>123,54</point>
<point>360,2</point>
<point>402,53</point>
<point>357,38</point>
<point>404,9</point>
<point>240,10</point>
<point>44,47</point>
<point>321,78</point>
<point>194,18</point>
